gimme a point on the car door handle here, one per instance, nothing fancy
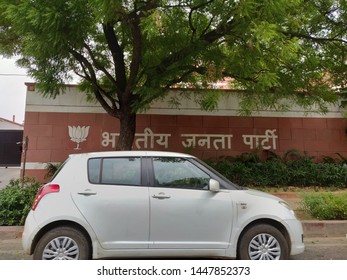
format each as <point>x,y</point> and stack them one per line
<point>161,196</point>
<point>87,192</point>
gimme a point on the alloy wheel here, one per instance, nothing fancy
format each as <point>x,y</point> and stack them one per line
<point>61,248</point>
<point>264,247</point>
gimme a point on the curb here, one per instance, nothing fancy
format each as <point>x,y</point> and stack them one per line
<point>311,228</point>
<point>325,228</point>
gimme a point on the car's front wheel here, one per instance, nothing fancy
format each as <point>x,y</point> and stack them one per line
<point>263,242</point>
<point>62,243</point>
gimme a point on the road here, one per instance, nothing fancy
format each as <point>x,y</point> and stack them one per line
<point>316,249</point>
<point>333,248</point>
<point>6,174</point>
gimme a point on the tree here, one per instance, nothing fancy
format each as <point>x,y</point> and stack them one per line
<point>131,52</point>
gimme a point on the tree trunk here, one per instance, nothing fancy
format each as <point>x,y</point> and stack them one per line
<point>127,131</point>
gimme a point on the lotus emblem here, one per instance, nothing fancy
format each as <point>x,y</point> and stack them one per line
<point>78,134</point>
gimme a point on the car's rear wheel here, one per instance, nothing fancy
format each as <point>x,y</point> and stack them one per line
<point>263,242</point>
<point>62,243</point>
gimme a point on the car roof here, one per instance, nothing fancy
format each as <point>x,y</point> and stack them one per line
<point>132,154</point>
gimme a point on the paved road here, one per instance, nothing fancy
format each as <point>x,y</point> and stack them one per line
<point>333,248</point>
<point>11,249</point>
<point>6,174</point>
<point>316,249</point>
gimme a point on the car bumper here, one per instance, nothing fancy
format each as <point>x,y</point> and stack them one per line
<point>296,234</point>
<point>30,230</point>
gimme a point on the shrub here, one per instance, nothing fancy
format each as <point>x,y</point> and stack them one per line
<point>272,173</point>
<point>325,206</point>
<point>16,200</point>
<point>52,168</point>
<point>294,169</point>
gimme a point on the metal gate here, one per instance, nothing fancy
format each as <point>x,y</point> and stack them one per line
<point>10,150</point>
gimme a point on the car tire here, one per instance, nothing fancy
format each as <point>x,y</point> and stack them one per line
<point>263,242</point>
<point>62,243</point>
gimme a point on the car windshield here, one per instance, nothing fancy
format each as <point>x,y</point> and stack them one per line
<point>231,184</point>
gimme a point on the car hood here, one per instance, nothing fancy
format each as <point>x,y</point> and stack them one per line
<point>262,194</point>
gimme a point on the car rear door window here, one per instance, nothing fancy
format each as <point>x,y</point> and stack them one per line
<point>115,171</point>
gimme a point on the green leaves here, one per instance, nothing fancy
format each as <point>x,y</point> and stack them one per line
<point>293,169</point>
<point>326,206</point>
<point>271,50</point>
<point>16,200</point>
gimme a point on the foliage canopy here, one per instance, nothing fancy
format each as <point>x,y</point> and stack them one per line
<point>130,52</point>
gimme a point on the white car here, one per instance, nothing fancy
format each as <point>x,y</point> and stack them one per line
<point>155,204</point>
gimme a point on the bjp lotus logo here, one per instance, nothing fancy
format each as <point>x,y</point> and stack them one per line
<point>78,134</point>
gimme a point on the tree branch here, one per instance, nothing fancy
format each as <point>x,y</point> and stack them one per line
<point>315,39</point>
<point>100,67</point>
<point>136,55</point>
<point>206,38</point>
<point>117,55</point>
<point>90,75</point>
<point>192,10</point>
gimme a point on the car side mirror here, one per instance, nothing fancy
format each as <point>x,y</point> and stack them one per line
<point>214,185</point>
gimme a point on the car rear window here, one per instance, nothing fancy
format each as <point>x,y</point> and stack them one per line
<point>115,171</point>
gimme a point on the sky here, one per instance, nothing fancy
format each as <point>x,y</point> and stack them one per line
<point>12,90</point>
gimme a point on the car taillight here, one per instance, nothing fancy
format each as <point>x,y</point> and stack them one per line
<point>46,189</point>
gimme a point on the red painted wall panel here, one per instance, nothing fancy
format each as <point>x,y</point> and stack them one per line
<point>213,136</point>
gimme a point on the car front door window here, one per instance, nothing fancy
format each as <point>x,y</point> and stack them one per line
<point>179,173</point>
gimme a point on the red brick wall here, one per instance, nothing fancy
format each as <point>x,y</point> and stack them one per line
<point>49,139</point>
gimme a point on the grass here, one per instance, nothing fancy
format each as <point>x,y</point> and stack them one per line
<point>307,202</point>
